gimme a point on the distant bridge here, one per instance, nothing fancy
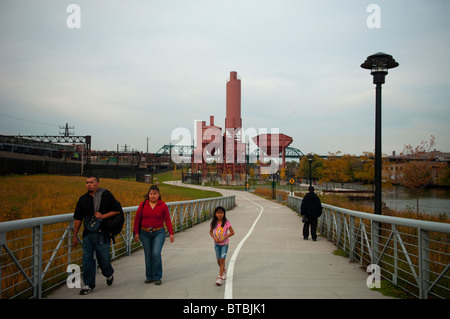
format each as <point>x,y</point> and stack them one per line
<point>187,150</point>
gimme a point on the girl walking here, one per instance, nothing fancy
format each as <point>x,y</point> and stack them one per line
<point>220,231</point>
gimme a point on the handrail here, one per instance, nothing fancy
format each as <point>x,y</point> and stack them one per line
<point>412,254</point>
<point>35,253</point>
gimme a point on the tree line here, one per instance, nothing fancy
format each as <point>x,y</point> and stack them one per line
<point>416,166</point>
<point>338,169</point>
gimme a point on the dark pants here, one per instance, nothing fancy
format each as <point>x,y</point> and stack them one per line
<point>312,222</point>
<point>98,244</point>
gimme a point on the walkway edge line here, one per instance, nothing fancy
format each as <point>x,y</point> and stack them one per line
<point>229,282</point>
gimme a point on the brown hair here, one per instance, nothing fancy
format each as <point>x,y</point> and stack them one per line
<point>153,187</point>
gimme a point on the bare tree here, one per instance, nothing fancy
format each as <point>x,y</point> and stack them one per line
<point>415,172</point>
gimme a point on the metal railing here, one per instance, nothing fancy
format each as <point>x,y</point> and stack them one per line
<point>35,253</point>
<point>412,254</point>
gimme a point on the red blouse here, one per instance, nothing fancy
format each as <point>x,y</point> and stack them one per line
<point>146,216</point>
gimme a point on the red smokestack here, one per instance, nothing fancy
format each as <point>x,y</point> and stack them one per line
<point>233,116</point>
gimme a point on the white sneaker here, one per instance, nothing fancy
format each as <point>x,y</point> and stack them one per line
<point>219,281</point>
<point>86,290</point>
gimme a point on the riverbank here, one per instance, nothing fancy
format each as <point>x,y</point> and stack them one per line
<point>432,201</point>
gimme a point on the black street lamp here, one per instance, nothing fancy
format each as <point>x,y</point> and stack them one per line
<point>310,158</point>
<point>378,63</point>
<point>274,176</point>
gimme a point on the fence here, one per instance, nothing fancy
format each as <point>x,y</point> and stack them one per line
<point>35,252</point>
<point>412,254</point>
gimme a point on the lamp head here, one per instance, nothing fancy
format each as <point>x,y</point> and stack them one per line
<point>379,63</point>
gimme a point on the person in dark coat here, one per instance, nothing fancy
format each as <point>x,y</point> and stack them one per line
<point>96,205</point>
<point>310,209</point>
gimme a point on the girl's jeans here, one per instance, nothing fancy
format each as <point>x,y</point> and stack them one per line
<point>153,243</point>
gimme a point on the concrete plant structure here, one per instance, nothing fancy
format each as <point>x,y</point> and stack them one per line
<point>227,148</point>
<point>272,145</point>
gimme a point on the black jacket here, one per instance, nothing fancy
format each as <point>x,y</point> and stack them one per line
<point>311,206</point>
<point>85,206</point>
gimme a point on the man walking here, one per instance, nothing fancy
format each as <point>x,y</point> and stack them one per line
<point>310,209</point>
<point>92,208</point>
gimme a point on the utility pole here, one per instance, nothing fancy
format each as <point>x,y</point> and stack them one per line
<point>66,130</point>
<point>125,148</point>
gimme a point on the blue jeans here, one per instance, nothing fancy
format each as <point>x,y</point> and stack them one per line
<point>153,243</point>
<point>96,242</point>
<point>221,251</point>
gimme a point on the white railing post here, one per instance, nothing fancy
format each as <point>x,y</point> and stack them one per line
<point>424,264</point>
<point>374,230</point>
<point>36,261</point>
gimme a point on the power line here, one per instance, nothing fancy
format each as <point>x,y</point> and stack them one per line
<point>25,120</point>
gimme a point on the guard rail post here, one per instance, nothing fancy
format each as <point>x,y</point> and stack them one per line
<point>424,264</point>
<point>36,266</point>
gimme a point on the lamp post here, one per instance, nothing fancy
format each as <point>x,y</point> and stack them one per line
<point>275,175</point>
<point>378,63</point>
<point>310,158</point>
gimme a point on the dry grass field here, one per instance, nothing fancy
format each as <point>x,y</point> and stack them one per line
<point>43,195</point>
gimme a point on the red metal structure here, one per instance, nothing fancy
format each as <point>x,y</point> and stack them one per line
<point>209,145</point>
<point>227,148</point>
<point>233,116</point>
<point>270,143</point>
<point>234,148</point>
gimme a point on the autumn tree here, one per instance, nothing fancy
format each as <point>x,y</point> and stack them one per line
<point>335,169</point>
<point>252,174</point>
<point>366,172</point>
<point>316,167</point>
<point>417,167</point>
<point>444,175</point>
<point>282,173</point>
<point>291,168</point>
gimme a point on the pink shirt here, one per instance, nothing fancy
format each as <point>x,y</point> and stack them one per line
<point>220,231</point>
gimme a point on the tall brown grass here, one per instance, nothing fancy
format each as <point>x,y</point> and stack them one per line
<point>267,192</point>
<point>43,195</point>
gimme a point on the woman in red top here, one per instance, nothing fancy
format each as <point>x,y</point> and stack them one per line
<point>149,229</point>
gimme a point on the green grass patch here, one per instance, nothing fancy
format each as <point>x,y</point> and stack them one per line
<point>390,290</point>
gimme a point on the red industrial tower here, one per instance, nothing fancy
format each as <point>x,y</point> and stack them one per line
<point>234,148</point>
<point>227,150</point>
<point>233,116</point>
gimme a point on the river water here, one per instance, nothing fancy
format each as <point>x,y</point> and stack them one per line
<point>431,200</point>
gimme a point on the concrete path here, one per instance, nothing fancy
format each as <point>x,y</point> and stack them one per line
<point>267,259</point>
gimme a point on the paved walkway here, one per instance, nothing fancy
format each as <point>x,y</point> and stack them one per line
<point>267,259</point>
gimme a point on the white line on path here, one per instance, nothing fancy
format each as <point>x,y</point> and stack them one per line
<point>229,282</point>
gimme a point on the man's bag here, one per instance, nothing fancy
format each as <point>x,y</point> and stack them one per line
<point>113,225</point>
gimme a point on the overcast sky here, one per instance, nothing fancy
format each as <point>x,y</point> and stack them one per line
<point>137,69</point>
